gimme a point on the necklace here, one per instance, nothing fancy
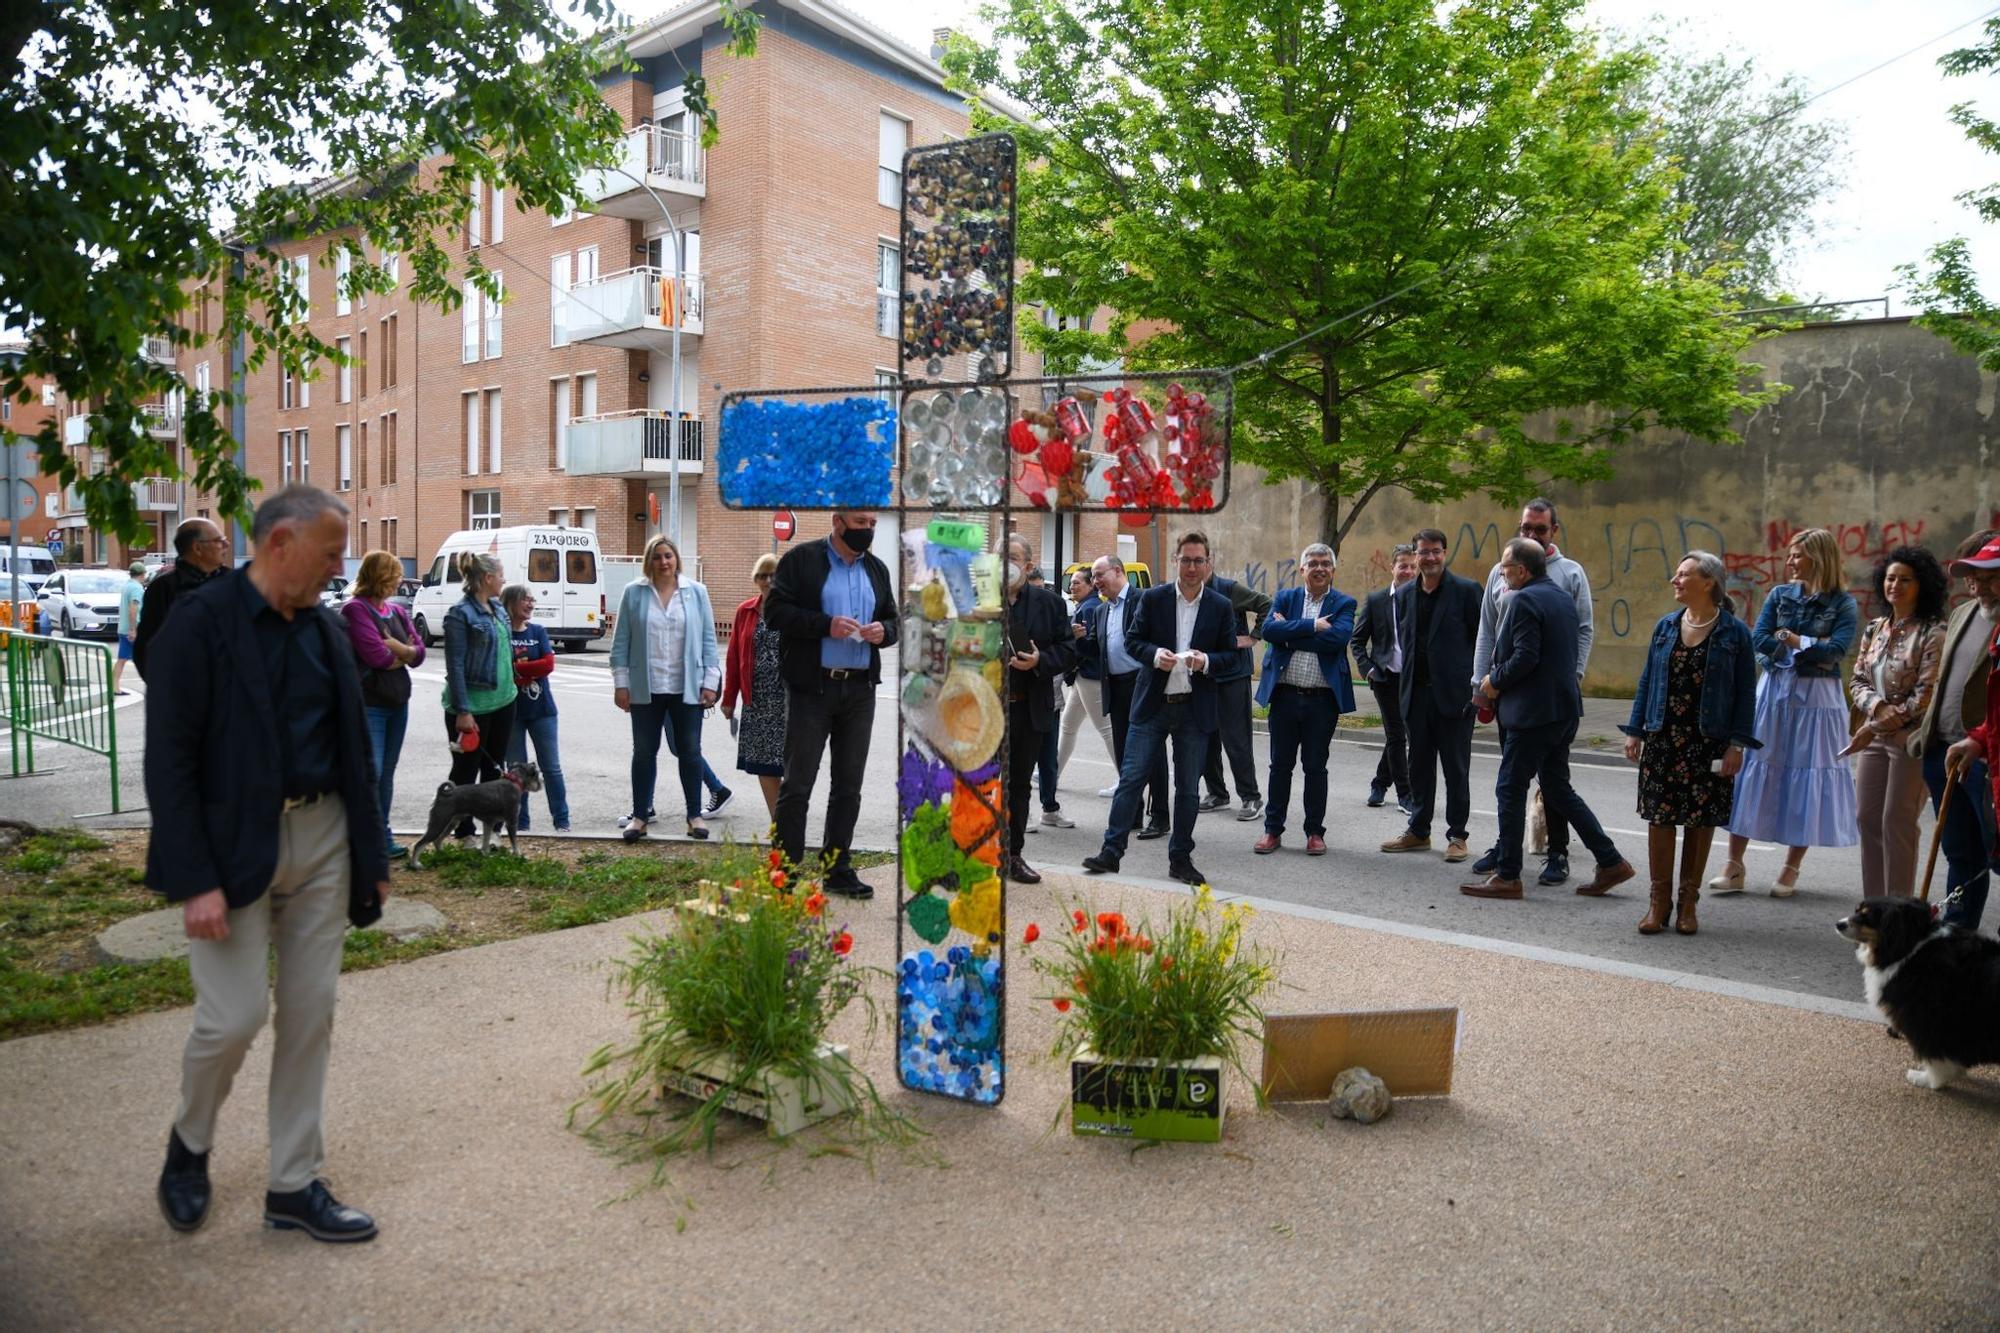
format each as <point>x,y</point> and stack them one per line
<point>1689,622</point>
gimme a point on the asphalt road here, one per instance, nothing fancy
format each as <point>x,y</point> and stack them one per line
<point>1784,944</point>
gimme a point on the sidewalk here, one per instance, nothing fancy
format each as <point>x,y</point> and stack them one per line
<point>1616,1152</point>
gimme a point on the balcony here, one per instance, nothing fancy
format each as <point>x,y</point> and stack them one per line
<point>635,309</point>
<point>157,495</point>
<point>670,161</point>
<point>159,420</point>
<point>158,349</point>
<point>634,445</point>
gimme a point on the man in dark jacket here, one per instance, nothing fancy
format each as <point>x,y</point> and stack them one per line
<point>266,830</point>
<point>200,551</point>
<point>1437,624</point>
<point>1040,651</point>
<point>1247,609</point>
<point>1534,681</point>
<point>835,610</point>
<point>1379,659</point>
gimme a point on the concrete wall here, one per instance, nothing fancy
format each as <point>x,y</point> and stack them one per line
<point>1886,437</point>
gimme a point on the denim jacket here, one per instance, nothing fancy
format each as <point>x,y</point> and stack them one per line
<point>471,653</point>
<point>1728,687</point>
<point>1829,619</point>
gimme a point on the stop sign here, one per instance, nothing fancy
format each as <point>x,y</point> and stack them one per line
<point>783,525</point>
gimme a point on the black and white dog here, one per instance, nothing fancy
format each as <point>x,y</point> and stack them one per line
<point>1938,987</point>
<point>496,805</point>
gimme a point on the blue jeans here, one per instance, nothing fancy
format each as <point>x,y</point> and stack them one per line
<point>385,740</point>
<point>708,778</point>
<point>1968,838</point>
<point>543,732</point>
<point>1302,724</point>
<point>1144,743</point>
<point>1542,752</point>
<point>681,721</point>
<point>1047,764</point>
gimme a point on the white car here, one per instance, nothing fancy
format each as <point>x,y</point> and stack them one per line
<point>82,603</point>
<point>334,593</point>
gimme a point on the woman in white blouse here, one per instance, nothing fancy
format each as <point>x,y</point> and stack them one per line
<point>666,673</point>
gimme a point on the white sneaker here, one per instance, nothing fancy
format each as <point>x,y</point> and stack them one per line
<point>1055,819</point>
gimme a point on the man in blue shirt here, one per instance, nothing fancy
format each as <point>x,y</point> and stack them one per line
<point>1105,644</point>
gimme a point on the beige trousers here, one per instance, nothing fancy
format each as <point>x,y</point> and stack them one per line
<point>304,915</point>
<point>1889,793</point>
<point>1085,701</point>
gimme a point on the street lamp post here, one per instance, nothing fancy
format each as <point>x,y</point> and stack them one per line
<point>674,392</point>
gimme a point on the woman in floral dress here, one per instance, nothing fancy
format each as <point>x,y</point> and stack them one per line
<point>753,681</point>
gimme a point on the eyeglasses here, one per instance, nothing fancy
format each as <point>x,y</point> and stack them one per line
<point>1535,529</point>
<point>1429,550</point>
<point>1194,559</point>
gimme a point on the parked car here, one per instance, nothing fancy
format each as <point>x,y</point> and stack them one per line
<point>36,564</point>
<point>405,596</point>
<point>82,603</point>
<point>335,591</point>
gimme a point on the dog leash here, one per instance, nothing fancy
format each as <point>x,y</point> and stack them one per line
<point>1937,829</point>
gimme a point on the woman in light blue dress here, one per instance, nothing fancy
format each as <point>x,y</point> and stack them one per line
<point>1797,789</point>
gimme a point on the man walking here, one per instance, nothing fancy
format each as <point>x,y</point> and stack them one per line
<point>1247,609</point>
<point>1534,679</point>
<point>835,610</point>
<point>200,550</point>
<point>1437,624</point>
<point>267,832</point>
<point>1039,651</point>
<point>1538,523</point>
<point>131,596</point>
<point>1379,658</point>
<point>1185,635</point>
<point>1110,644</point>
<point>1086,695</point>
<point>1957,708</point>
<point>1307,686</point>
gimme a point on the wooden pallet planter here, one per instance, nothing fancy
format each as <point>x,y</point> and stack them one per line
<point>786,1103</point>
<point>1140,1099</point>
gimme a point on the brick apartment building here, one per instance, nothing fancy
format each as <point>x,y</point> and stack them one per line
<point>555,407</point>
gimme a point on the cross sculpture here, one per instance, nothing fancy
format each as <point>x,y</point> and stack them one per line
<point>978,448</point>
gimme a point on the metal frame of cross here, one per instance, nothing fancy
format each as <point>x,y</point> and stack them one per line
<point>1138,444</point>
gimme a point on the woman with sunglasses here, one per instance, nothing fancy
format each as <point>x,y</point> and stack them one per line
<point>753,681</point>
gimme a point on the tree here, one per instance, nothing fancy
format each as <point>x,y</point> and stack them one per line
<point>1745,169</point>
<point>141,137</point>
<point>1444,220</point>
<point>1947,285</point>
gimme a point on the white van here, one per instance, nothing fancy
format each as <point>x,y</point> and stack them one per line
<point>561,565</point>
<point>34,567</point>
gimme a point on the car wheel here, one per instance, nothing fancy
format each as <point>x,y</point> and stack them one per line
<point>424,633</point>
<point>67,632</point>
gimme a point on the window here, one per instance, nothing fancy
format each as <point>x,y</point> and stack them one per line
<point>888,278</point>
<point>468,325</point>
<point>543,565</point>
<point>48,395</point>
<point>343,436</point>
<point>469,404</point>
<point>492,430</point>
<point>388,448</point>
<point>305,458</point>
<point>497,230</point>
<point>388,346</point>
<point>305,391</point>
<point>586,395</point>
<point>475,221</point>
<point>587,520</point>
<point>586,265</point>
<point>895,139</point>
<point>493,303</point>
<point>559,424</point>
<point>581,566</point>
<point>392,267</point>
<point>885,385</point>
<point>365,547</point>
<point>559,300</point>
<point>343,264</point>
<point>201,386</point>
<point>559,518</point>
<point>343,374</point>
<point>285,457</point>
<point>287,389</point>
<point>361,454</point>
<point>295,286</point>
<point>361,366</point>
<point>482,510</point>
<point>389,535</point>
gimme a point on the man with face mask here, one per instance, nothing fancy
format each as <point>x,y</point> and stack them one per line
<point>1039,651</point>
<point>835,610</point>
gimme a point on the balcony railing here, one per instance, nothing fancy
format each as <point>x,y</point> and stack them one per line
<point>159,419</point>
<point>640,443</point>
<point>668,160</point>
<point>635,308</point>
<point>157,495</point>
<point>158,348</point>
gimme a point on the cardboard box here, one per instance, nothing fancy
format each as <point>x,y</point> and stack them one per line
<point>785,1103</point>
<point>1141,1099</point>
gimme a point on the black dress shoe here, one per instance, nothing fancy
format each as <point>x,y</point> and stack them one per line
<point>1185,872</point>
<point>1488,863</point>
<point>1021,872</point>
<point>184,1185</point>
<point>1554,870</point>
<point>1104,863</point>
<point>1152,831</point>
<point>847,884</point>
<point>316,1212</point>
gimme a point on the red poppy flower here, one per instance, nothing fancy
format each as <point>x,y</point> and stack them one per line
<point>1031,934</point>
<point>777,858</point>
<point>778,880</point>
<point>1166,963</point>
<point>1062,1004</point>
<point>1143,944</point>
<point>1082,921</point>
<point>815,903</point>
<point>843,944</point>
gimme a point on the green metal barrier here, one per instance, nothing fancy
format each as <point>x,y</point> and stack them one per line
<point>59,691</point>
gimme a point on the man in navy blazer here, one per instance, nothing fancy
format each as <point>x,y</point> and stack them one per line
<point>1533,678</point>
<point>1437,624</point>
<point>1182,635</point>
<point>1307,686</point>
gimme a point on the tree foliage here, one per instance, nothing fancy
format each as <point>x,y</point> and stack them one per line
<point>1946,284</point>
<point>1452,214</point>
<point>142,137</point>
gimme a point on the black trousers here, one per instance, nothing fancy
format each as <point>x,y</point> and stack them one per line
<point>1542,753</point>
<point>1394,766</point>
<point>1157,806</point>
<point>1232,728</point>
<point>1440,739</point>
<point>487,762</point>
<point>1553,820</point>
<point>1024,753</point>
<point>839,718</point>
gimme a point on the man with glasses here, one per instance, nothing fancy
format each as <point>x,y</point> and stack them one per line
<point>1437,624</point>
<point>1183,635</point>
<point>1539,524</point>
<point>1307,686</point>
<point>200,551</point>
<point>1107,642</point>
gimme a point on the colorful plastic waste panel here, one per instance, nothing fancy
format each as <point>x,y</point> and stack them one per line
<point>806,449</point>
<point>957,292</point>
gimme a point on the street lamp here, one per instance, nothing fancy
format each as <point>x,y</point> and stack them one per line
<point>674,391</point>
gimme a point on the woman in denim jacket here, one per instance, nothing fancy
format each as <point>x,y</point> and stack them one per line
<point>1692,720</point>
<point>1797,789</point>
<point>478,677</point>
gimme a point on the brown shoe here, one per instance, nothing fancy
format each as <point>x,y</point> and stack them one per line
<point>1659,909</point>
<point>1491,887</point>
<point>1456,850</point>
<point>1606,879</point>
<point>1315,845</point>
<point>1685,922</point>
<point>1267,844</point>
<point>1407,842</point>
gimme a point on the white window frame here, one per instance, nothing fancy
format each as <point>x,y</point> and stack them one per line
<point>887,382</point>
<point>343,434</point>
<point>482,517</point>
<point>496,213</point>
<point>284,458</point>
<point>299,288</point>
<point>343,266</point>
<point>559,300</point>
<point>586,396</point>
<point>470,414</point>
<point>586,519</point>
<point>468,325</point>
<point>586,266</point>
<point>288,392</point>
<point>475,221</point>
<point>559,394</point>
<point>493,407</point>
<point>494,301</point>
<point>304,444</point>
<point>888,306</point>
<point>892,140</point>
<point>343,373</point>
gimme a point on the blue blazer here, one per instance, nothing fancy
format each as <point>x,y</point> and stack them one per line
<point>1534,658</point>
<point>1093,648</point>
<point>701,664</point>
<point>1287,632</point>
<point>1154,626</point>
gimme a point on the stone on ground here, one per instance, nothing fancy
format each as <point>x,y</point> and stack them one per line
<point>1359,1095</point>
<point>151,936</point>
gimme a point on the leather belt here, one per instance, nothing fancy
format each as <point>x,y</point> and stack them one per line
<point>845,673</point>
<point>303,802</point>
<point>1304,689</point>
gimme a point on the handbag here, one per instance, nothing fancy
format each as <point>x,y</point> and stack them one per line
<point>386,687</point>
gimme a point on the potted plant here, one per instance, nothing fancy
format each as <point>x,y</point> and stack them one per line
<point>1150,1020</point>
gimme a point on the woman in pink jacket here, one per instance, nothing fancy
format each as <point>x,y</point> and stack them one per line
<point>387,646</point>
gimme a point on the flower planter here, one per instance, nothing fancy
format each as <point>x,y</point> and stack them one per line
<point>786,1103</point>
<point>1141,1099</point>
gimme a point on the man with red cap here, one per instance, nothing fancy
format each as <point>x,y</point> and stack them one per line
<point>1981,570</point>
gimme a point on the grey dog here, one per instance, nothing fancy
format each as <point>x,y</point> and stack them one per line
<point>496,805</point>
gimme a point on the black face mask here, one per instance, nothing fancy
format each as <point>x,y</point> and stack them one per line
<point>857,540</point>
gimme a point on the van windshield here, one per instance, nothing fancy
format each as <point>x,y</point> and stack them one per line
<point>38,564</point>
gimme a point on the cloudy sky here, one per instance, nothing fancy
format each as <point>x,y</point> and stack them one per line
<point>1906,163</point>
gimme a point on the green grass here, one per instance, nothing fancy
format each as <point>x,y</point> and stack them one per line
<point>38,1002</point>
